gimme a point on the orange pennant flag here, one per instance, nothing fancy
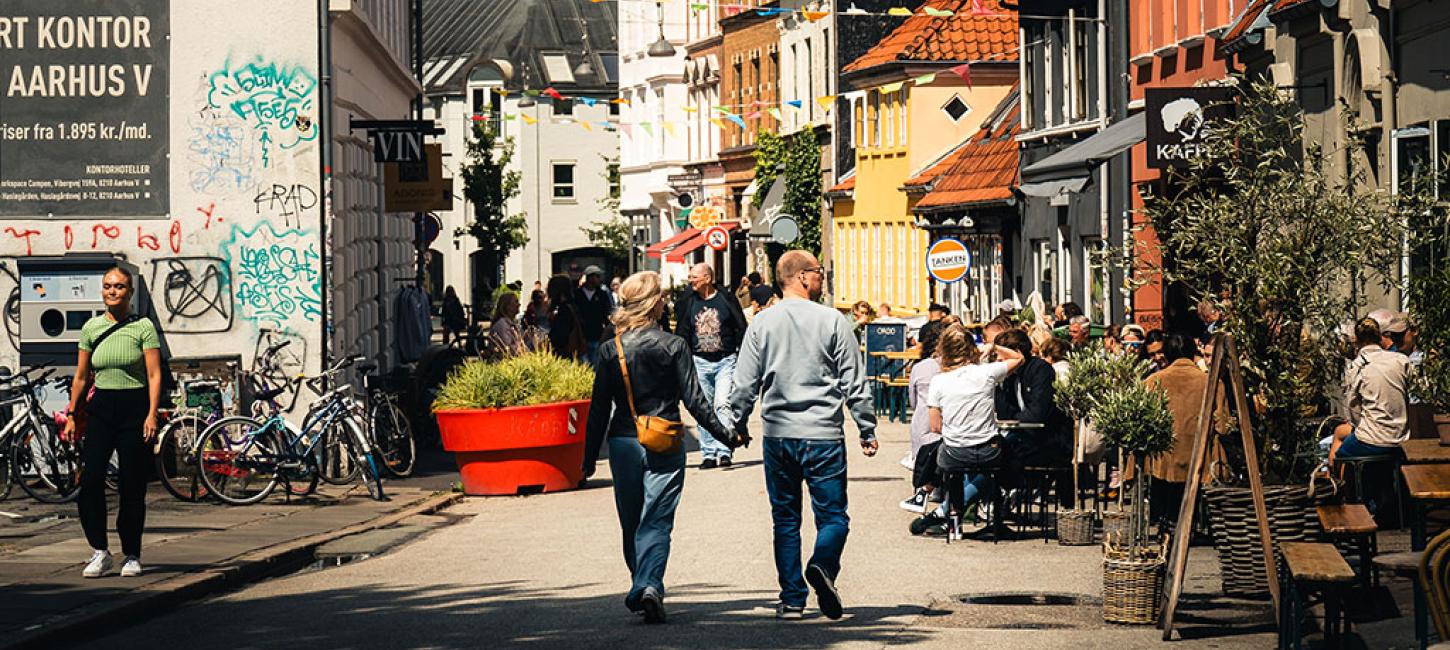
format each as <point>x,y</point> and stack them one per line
<point>813,16</point>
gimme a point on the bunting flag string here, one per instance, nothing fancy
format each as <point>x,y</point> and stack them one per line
<point>977,10</point>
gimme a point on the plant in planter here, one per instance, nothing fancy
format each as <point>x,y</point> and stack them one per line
<point>1135,418</point>
<point>1094,374</point>
<point>516,425</point>
<point>1429,298</point>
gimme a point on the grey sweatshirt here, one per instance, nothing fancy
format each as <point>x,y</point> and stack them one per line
<point>803,362</point>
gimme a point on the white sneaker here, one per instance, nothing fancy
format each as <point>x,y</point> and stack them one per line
<point>908,462</point>
<point>100,564</point>
<point>131,568</point>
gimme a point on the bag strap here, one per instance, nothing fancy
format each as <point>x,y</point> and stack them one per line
<point>624,370</point>
<point>130,318</point>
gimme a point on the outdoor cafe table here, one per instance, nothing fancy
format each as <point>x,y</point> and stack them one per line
<point>1420,451</point>
<point>1428,484</point>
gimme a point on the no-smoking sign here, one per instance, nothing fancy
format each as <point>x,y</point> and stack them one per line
<point>717,237</point>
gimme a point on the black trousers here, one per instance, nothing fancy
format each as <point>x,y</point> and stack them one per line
<point>114,420</point>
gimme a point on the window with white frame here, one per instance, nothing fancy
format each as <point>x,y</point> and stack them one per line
<point>563,181</point>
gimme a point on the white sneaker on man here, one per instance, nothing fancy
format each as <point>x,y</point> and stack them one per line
<point>131,568</point>
<point>100,564</point>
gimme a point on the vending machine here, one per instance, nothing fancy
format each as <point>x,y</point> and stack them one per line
<point>58,294</point>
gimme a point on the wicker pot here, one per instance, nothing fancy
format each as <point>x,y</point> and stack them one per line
<point>1117,526</point>
<point>1230,514</point>
<point>1132,589</point>
<point>1075,527</point>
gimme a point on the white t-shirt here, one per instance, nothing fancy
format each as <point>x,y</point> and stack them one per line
<point>965,397</point>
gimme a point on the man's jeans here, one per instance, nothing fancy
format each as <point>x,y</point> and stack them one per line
<point>717,378</point>
<point>822,465</point>
<point>647,490</point>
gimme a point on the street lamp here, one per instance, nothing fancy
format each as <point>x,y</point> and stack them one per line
<point>662,47</point>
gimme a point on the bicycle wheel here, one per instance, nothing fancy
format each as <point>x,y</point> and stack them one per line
<point>176,458</point>
<point>392,438</point>
<point>7,474</point>
<point>365,460</point>
<point>47,468</point>
<point>238,459</point>
<point>335,459</point>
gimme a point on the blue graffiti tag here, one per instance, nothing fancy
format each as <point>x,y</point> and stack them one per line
<point>275,99</point>
<point>221,153</point>
<point>277,275</point>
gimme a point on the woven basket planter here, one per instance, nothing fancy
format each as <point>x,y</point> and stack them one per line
<point>1230,514</point>
<point>1116,527</point>
<point>1132,589</point>
<point>1075,527</point>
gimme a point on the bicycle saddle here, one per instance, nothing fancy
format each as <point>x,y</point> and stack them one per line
<point>269,393</point>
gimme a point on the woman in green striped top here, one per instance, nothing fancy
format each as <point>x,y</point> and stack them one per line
<point>124,366</point>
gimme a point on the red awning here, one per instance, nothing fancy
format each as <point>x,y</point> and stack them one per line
<point>658,249</point>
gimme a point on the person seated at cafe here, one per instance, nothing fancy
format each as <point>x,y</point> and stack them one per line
<point>1027,397</point>
<point>960,410</point>
<point>1376,398</point>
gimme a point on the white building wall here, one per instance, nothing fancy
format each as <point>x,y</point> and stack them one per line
<point>655,89</point>
<point>806,71</point>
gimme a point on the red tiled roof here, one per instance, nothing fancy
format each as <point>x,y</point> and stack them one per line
<point>982,170</point>
<point>1246,19</point>
<point>962,36</point>
<point>844,186</point>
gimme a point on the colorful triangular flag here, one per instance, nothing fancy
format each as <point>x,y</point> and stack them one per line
<point>587,126</point>
<point>648,127</point>
<point>717,122</point>
<point>813,16</point>
<point>898,11</point>
<point>696,6</point>
<point>979,10</point>
<point>627,129</point>
<point>553,93</point>
<point>925,80</point>
<point>936,12</point>
<point>965,72</point>
<point>691,109</point>
<point>736,119</point>
<point>795,102</point>
<point>501,91</point>
<point>892,87</point>
<point>589,101</point>
<point>754,115</point>
<point>527,119</point>
<point>669,127</point>
<point>532,93</point>
<point>620,100</point>
<point>510,116</point>
<point>826,101</point>
<point>775,113</point>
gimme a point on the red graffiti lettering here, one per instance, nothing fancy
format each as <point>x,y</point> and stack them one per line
<point>25,234</point>
<point>111,232</point>
<point>208,210</point>
<point>146,241</point>
<point>174,237</point>
<point>70,237</point>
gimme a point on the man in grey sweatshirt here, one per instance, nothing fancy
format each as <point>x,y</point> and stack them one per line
<point>801,359</point>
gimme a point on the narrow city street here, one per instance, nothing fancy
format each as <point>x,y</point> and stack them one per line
<point>545,572</point>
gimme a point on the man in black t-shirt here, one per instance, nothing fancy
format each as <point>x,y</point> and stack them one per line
<point>594,304</point>
<point>712,324</point>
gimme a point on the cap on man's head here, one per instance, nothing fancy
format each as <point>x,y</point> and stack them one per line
<point>1399,323</point>
<point>592,270</point>
<point>1382,317</point>
<point>1006,306</point>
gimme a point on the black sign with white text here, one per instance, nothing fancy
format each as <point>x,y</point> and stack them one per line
<point>84,128</point>
<point>1179,121</point>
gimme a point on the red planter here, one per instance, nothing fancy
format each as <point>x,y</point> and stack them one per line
<point>518,450</point>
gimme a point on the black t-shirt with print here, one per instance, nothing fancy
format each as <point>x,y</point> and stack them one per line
<point>715,334</point>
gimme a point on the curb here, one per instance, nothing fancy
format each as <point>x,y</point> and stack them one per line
<point>243,569</point>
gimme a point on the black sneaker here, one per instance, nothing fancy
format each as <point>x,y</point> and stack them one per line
<point>724,461</point>
<point>789,612</point>
<point>826,596</point>
<point>916,503</point>
<point>653,606</point>
<point>709,463</point>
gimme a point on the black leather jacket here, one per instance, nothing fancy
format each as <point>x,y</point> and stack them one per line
<point>662,373</point>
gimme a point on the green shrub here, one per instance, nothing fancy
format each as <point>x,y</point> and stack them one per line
<point>1135,418</point>
<point>526,380</point>
<point>1093,375</point>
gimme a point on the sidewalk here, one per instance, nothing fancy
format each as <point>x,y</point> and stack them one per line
<point>190,550</point>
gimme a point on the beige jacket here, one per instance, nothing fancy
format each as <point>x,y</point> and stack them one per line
<point>1377,398</point>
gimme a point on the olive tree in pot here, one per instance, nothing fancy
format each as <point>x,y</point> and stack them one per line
<point>1093,374</point>
<point>1135,418</point>
<point>1285,238</point>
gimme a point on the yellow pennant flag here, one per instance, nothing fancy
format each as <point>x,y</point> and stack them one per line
<point>691,109</point>
<point>898,11</point>
<point>925,79</point>
<point>775,113</point>
<point>501,91</point>
<point>718,122</point>
<point>586,126</point>
<point>826,101</point>
<point>527,119</point>
<point>669,127</point>
<point>891,88</point>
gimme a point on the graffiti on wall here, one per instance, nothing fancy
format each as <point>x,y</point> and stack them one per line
<point>275,99</point>
<point>195,294</point>
<point>220,152</point>
<point>277,275</point>
<point>285,201</point>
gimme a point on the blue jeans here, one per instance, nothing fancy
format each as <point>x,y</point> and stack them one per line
<point>717,378</point>
<point>647,489</point>
<point>822,465</point>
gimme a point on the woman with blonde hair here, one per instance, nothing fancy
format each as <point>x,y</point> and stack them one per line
<point>645,371</point>
<point>504,335</point>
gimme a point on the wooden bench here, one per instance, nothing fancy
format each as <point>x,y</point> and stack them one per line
<point>1353,524</point>
<point>1311,568</point>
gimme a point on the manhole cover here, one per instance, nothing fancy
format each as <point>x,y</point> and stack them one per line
<point>1021,599</point>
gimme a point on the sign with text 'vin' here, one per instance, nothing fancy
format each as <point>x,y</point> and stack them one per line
<point>83,108</point>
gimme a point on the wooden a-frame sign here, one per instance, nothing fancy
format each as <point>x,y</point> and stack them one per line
<point>1225,358</point>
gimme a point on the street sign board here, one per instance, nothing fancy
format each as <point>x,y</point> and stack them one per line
<point>1179,121</point>
<point>717,237</point>
<point>397,146</point>
<point>948,260</point>
<point>784,229</point>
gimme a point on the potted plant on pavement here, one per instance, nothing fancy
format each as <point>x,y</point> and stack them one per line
<point>516,426</point>
<point>1429,299</point>
<point>1093,373</point>
<point>1136,419</point>
<point>1283,236</point>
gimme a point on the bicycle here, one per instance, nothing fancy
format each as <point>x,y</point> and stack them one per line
<point>46,467</point>
<point>389,427</point>
<point>176,442</point>
<point>242,459</point>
